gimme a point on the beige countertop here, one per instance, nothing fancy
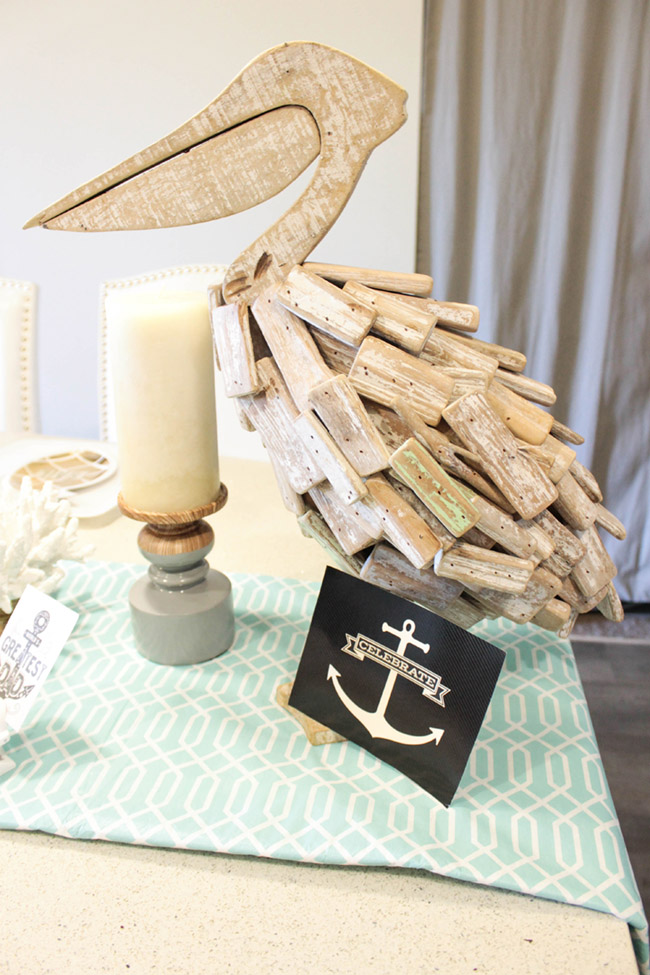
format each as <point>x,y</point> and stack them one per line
<point>70,906</point>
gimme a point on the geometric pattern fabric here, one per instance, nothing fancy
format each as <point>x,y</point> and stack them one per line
<point>202,758</point>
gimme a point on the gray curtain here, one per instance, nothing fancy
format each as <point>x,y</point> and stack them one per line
<point>535,206</point>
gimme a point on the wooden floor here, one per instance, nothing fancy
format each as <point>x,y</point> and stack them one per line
<point>616,680</point>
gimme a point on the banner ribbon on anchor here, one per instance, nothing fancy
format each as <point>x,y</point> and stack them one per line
<point>361,646</point>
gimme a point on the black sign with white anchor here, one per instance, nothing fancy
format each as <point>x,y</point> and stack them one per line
<point>403,683</point>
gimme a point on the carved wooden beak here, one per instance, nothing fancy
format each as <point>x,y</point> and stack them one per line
<point>286,107</point>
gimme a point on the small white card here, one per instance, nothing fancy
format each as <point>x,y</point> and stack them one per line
<point>32,640</point>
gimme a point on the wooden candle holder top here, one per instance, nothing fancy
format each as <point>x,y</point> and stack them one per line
<point>175,517</point>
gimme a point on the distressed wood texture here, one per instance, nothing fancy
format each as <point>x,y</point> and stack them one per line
<point>553,456</point>
<point>442,349</point>
<point>340,408</point>
<point>483,568</point>
<point>573,505</point>
<point>340,474</point>
<point>390,569</point>
<point>449,314</point>
<point>338,355</point>
<point>415,466</point>
<point>401,524</point>
<point>587,481</point>
<point>313,525</point>
<point>410,284</point>
<point>448,455</point>
<point>234,347</point>
<point>519,478</point>
<point>325,306</point>
<point>407,327</point>
<point>595,570</point>
<point>272,413</point>
<point>529,388</point>
<point>507,358</point>
<point>523,418</point>
<point>293,348</point>
<point>355,526</point>
<point>542,587</point>
<point>381,372</point>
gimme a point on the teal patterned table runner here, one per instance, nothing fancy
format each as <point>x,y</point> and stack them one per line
<point>201,758</point>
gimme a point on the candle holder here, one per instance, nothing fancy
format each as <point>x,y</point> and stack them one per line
<point>182,610</point>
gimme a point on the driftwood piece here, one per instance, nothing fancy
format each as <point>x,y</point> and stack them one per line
<point>317,733</point>
<point>568,549</point>
<point>553,456</point>
<point>340,408</point>
<point>325,306</point>
<point>553,616</point>
<point>389,569</point>
<point>595,570</point>
<point>462,612</point>
<point>442,349</point>
<point>313,525</point>
<point>244,422</point>
<point>587,481</point>
<point>504,530</point>
<point>479,567</point>
<point>381,372</point>
<point>234,347</point>
<point>610,605</point>
<point>401,524</point>
<point>517,476</point>
<point>403,282</point>
<point>414,465</point>
<point>524,419</point>
<point>572,504</point>
<point>565,631</point>
<point>449,314</point>
<point>530,389</point>
<point>465,380</point>
<point>355,526</point>
<point>448,455</point>
<point>577,600</point>
<point>339,356</point>
<point>327,455</point>
<point>407,327</point>
<point>272,413</point>
<point>507,358</point>
<point>293,348</point>
<point>442,533</point>
<point>563,432</point>
<point>610,523</point>
<point>545,546</point>
<point>290,498</point>
<point>542,587</point>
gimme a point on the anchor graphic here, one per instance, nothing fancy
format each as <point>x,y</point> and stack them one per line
<point>375,721</point>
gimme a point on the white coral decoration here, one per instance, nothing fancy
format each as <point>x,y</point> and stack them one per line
<point>36,530</point>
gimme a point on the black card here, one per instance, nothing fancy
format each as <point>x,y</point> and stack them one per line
<point>403,683</point>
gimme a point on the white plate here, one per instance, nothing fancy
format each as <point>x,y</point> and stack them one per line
<point>87,502</point>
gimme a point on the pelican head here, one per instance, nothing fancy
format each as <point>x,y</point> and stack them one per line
<point>291,104</point>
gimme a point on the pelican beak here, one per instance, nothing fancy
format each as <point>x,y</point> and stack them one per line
<point>235,169</point>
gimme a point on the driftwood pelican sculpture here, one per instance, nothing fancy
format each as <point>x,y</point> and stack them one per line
<point>415,453</point>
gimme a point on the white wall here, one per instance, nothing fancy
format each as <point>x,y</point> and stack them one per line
<point>86,84</point>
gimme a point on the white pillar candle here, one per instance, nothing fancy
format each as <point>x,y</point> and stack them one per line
<point>163,375</point>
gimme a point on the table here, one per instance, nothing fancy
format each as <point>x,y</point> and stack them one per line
<point>78,906</point>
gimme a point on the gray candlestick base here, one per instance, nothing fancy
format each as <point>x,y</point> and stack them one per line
<point>183,626</point>
<point>182,611</point>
